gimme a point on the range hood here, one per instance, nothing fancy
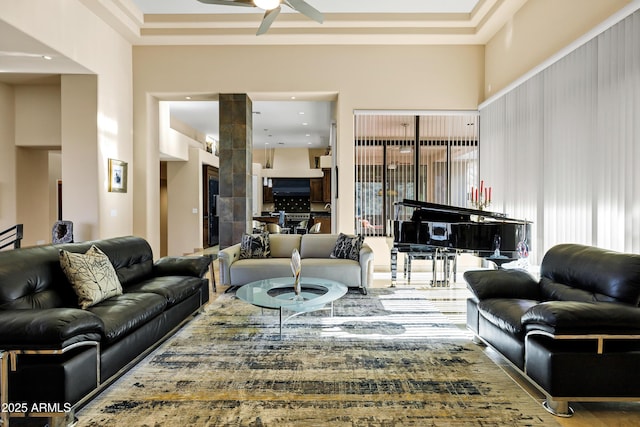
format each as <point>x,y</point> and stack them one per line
<point>289,187</point>
<point>291,163</point>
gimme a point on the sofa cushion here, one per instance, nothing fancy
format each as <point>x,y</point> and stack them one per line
<point>487,284</point>
<point>131,256</point>
<point>32,278</point>
<point>91,274</point>
<point>506,313</point>
<point>602,274</point>
<point>347,247</point>
<point>173,288</point>
<point>189,265</point>
<point>250,270</point>
<point>124,313</point>
<point>48,328</point>
<point>255,246</point>
<point>575,317</point>
<point>345,271</point>
<point>282,245</point>
<point>317,245</point>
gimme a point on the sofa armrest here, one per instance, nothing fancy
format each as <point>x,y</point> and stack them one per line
<point>228,256</point>
<point>582,318</point>
<point>52,328</point>
<point>487,284</point>
<point>195,266</point>
<point>366,266</point>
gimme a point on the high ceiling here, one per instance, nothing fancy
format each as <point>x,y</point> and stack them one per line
<point>277,119</point>
<point>345,22</point>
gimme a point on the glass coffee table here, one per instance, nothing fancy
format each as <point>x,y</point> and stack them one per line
<point>278,294</point>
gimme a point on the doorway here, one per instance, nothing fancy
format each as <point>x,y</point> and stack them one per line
<point>210,220</point>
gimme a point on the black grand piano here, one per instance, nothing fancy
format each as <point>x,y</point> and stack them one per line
<point>441,232</point>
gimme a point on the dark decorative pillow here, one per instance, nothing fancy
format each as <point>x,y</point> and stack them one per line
<point>255,246</point>
<point>347,247</point>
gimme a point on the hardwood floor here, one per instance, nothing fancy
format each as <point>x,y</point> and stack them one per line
<point>451,300</point>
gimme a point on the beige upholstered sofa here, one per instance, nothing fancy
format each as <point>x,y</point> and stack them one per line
<point>315,250</point>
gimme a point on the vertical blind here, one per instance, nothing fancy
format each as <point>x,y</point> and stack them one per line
<point>562,149</point>
<point>426,157</point>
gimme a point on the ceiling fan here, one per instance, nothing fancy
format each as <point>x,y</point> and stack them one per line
<point>272,9</point>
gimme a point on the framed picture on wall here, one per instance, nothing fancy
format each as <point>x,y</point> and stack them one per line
<point>117,176</point>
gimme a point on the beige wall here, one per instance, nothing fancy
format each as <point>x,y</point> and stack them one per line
<point>362,77</point>
<point>184,202</point>
<point>540,29</point>
<point>37,128</point>
<point>8,214</point>
<point>71,29</point>
<point>380,77</point>
<point>37,117</point>
<point>55,174</point>
<point>80,171</point>
<point>33,188</point>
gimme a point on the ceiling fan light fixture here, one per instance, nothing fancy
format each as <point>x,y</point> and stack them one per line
<point>267,4</point>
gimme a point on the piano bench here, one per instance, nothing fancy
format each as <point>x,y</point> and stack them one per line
<point>434,256</point>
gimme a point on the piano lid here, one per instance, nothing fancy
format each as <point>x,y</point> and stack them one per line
<point>454,211</point>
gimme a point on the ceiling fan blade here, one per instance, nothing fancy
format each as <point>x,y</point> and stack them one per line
<point>269,17</point>
<point>306,9</point>
<point>248,3</point>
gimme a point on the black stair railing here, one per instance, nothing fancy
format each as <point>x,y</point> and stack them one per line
<point>11,236</point>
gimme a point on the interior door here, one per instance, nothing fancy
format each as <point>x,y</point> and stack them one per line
<point>210,220</point>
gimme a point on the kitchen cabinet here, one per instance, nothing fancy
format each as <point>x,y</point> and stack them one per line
<point>325,220</point>
<point>326,185</point>
<point>316,193</point>
<point>267,194</point>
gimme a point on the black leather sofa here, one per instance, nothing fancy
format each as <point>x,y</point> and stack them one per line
<point>56,354</point>
<point>574,333</point>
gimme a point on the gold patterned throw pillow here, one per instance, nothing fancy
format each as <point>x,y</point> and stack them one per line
<point>91,274</point>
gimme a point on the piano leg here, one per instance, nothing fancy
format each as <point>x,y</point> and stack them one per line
<point>445,256</point>
<point>394,267</point>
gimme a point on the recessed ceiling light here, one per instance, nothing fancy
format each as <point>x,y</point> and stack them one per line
<point>308,134</point>
<point>187,97</point>
<point>305,124</point>
<point>293,97</point>
<point>47,57</point>
<point>301,113</point>
<point>309,142</point>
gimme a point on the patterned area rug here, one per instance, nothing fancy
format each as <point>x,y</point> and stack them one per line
<point>386,359</point>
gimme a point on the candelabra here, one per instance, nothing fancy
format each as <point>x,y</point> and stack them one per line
<point>480,198</point>
<point>480,204</point>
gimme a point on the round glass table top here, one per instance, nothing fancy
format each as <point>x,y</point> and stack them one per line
<point>278,293</point>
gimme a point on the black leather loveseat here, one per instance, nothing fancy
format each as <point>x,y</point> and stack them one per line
<point>575,333</point>
<point>56,355</point>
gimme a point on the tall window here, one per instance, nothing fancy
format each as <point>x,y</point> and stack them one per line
<point>428,157</point>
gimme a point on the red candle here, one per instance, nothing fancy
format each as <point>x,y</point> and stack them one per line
<point>476,194</point>
<point>481,186</point>
<point>489,194</point>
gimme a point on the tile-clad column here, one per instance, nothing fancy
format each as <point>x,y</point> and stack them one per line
<point>236,157</point>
